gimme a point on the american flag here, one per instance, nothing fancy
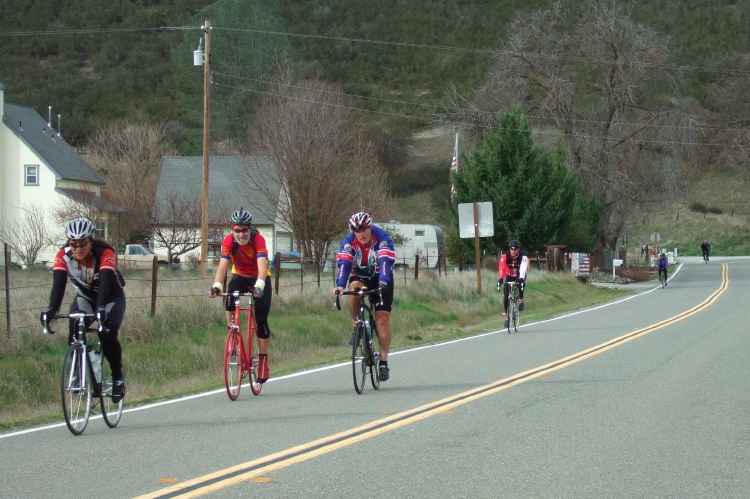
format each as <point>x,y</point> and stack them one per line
<point>454,167</point>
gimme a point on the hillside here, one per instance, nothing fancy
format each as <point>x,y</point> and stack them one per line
<point>101,60</point>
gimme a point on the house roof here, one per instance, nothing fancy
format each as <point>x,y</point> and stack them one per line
<point>227,180</point>
<point>91,199</point>
<point>51,148</point>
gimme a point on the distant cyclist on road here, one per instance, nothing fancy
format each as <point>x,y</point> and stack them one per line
<point>705,249</point>
<point>365,259</point>
<point>245,249</point>
<point>662,264</point>
<point>512,268</point>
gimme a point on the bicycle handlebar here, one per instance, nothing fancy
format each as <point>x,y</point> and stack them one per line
<point>74,315</point>
<point>360,292</point>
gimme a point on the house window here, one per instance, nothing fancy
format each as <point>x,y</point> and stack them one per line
<point>101,230</point>
<point>419,233</point>
<point>31,175</point>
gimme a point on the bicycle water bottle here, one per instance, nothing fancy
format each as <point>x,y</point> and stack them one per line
<point>368,331</point>
<point>96,363</point>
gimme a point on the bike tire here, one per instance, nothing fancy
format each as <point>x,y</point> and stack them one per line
<point>111,411</point>
<point>374,355</point>
<point>76,389</point>
<point>233,364</point>
<point>253,361</point>
<point>359,366</point>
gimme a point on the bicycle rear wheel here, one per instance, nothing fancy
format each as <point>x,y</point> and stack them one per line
<point>359,366</point>
<point>233,364</point>
<point>255,387</point>
<point>75,388</point>
<point>111,412</point>
<point>374,355</point>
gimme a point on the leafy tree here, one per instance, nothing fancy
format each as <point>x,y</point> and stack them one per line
<point>532,192</point>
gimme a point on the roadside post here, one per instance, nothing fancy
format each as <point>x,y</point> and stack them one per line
<point>475,220</point>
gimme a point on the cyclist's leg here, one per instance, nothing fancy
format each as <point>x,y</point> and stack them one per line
<point>383,318</point>
<point>111,347</point>
<point>262,309</point>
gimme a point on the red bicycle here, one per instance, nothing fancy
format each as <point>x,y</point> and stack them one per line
<point>239,360</point>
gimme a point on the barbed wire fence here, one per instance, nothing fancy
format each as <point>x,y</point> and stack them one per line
<point>25,292</point>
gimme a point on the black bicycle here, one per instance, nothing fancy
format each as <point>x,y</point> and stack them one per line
<point>365,354</point>
<point>514,315</point>
<point>663,277</point>
<point>85,377</point>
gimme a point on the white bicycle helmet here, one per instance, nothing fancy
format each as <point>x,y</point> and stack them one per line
<point>361,220</point>
<point>241,217</point>
<point>79,228</point>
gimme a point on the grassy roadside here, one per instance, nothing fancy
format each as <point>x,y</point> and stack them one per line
<point>179,351</point>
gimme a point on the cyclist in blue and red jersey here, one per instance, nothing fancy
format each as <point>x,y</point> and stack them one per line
<point>365,259</point>
<point>512,267</point>
<point>90,266</point>
<point>245,248</point>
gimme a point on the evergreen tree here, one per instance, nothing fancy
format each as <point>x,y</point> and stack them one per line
<point>533,193</point>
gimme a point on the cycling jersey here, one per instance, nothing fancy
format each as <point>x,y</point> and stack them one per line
<point>88,278</point>
<point>366,262</point>
<point>512,268</point>
<point>244,258</point>
<point>705,248</point>
<point>662,263</point>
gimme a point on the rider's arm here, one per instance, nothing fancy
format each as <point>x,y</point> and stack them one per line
<point>502,268</point>
<point>386,258</point>
<point>221,273</point>
<point>59,281</point>
<point>523,267</point>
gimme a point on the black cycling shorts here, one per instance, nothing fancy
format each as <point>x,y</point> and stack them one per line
<point>373,283</point>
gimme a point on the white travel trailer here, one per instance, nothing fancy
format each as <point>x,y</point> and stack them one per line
<point>427,241</point>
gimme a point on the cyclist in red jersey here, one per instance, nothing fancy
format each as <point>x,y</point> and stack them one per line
<point>512,267</point>
<point>90,266</point>
<point>245,248</point>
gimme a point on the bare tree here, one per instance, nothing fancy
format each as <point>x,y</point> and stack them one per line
<point>605,87</point>
<point>173,222</point>
<point>129,154</point>
<point>27,236</point>
<point>324,168</point>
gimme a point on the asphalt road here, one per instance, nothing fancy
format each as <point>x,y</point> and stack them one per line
<point>643,397</point>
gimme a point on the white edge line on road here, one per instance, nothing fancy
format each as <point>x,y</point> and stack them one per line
<point>334,366</point>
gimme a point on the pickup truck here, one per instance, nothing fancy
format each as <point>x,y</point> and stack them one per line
<point>138,256</point>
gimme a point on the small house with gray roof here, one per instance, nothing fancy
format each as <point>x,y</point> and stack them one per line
<point>179,197</point>
<point>41,173</point>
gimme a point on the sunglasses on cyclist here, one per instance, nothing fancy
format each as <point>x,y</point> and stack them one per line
<point>79,245</point>
<point>240,231</point>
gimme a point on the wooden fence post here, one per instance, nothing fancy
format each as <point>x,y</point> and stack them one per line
<point>416,267</point>
<point>154,272</point>
<point>7,288</point>
<point>276,271</point>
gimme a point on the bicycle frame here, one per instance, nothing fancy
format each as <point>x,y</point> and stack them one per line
<point>241,358</point>
<point>514,315</point>
<point>79,384</point>
<point>364,358</point>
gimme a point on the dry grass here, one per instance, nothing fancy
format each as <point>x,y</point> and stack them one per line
<point>179,350</point>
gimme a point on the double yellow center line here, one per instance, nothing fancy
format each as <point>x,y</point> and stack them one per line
<point>253,469</point>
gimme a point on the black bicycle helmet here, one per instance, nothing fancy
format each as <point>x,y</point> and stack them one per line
<point>79,228</point>
<point>241,217</point>
<point>514,244</point>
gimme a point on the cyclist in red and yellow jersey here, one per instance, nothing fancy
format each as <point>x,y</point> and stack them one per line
<point>245,248</point>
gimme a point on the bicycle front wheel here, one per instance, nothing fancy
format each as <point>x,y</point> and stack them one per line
<point>374,356</point>
<point>255,387</point>
<point>359,365</point>
<point>111,412</point>
<point>516,316</point>
<point>75,389</point>
<point>233,364</point>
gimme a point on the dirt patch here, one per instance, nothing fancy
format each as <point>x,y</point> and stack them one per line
<point>623,275</point>
<point>637,274</point>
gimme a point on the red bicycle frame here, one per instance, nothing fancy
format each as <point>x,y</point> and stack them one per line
<point>241,358</point>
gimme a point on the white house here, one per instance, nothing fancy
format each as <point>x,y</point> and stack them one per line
<point>228,190</point>
<point>40,171</point>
